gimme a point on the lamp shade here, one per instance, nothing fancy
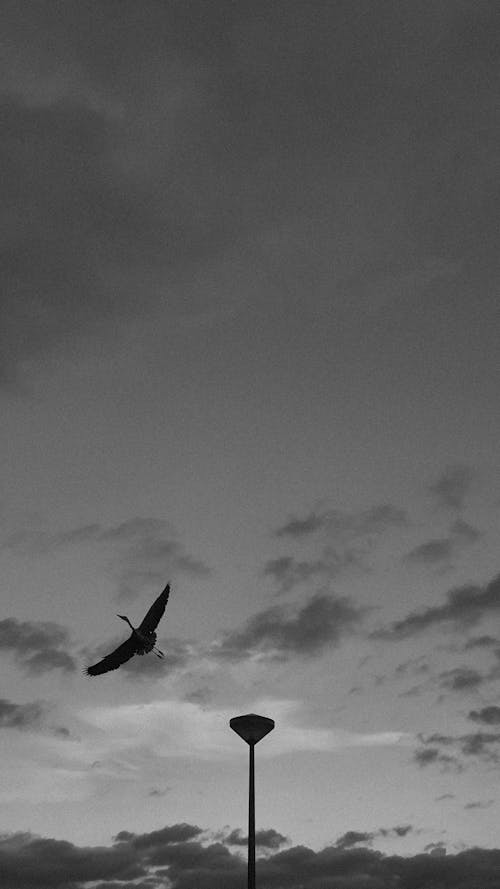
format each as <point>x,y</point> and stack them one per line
<point>251,727</point>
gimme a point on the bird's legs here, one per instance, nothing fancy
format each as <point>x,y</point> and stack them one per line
<point>158,653</point>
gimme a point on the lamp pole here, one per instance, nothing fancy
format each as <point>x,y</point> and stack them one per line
<point>251,728</point>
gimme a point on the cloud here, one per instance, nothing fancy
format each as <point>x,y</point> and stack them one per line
<point>464,607</point>
<point>20,716</point>
<point>432,755</point>
<point>171,728</point>
<point>344,540</point>
<point>452,487</point>
<point>479,804</point>
<point>339,524</point>
<point>480,745</point>
<point>461,679</point>
<point>302,527</point>
<point>289,572</point>
<point>30,861</point>
<point>487,715</point>
<point>431,552</point>
<point>37,646</point>
<point>440,550</point>
<point>176,833</point>
<point>281,633</point>
<point>355,837</point>
<point>482,642</point>
<point>146,551</point>
<point>169,856</point>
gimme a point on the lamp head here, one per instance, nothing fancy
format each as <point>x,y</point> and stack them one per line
<point>251,728</point>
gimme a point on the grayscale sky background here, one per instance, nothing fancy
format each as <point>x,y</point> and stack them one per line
<point>249,334</point>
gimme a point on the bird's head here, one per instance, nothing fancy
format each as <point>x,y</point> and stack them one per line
<point>124,617</point>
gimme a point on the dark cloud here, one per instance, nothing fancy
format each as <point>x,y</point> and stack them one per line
<point>355,837</point>
<point>487,715</point>
<point>432,755</point>
<point>147,550</point>
<point>452,487</point>
<point>176,856</point>
<point>480,745</point>
<point>464,607</point>
<point>461,679</point>
<point>20,716</point>
<point>282,633</point>
<point>38,646</point>
<point>175,833</point>
<point>29,861</point>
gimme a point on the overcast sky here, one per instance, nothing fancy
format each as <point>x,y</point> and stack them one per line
<point>249,336</point>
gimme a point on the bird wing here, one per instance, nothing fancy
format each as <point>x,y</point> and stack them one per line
<point>114,660</point>
<point>156,612</point>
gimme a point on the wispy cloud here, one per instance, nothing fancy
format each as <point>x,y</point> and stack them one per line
<point>37,646</point>
<point>289,572</point>
<point>145,551</point>
<point>479,804</point>
<point>453,485</point>
<point>441,550</point>
<point>341,524</point>
<point>20,716</point>
<point>343,540</point>
<point>474,745</point>
<point>464,607</point>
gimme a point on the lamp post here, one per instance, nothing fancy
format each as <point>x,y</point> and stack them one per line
<point>251,728</point>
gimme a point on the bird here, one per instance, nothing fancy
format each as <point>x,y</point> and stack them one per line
<point>141,640</point>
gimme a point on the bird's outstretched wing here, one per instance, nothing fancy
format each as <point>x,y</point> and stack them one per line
<point>156,612</point>
<point>114,660</point>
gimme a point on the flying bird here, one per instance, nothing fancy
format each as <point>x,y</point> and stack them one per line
<point>140,641</point>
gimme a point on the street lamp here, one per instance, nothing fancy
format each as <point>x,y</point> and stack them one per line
<point>251,728</point>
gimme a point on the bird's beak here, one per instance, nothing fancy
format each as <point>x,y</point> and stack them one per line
<point>122,616</point>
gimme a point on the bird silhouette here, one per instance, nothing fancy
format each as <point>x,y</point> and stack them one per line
<point>141,640</point>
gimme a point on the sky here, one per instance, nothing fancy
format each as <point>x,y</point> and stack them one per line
<point>248,344</point>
